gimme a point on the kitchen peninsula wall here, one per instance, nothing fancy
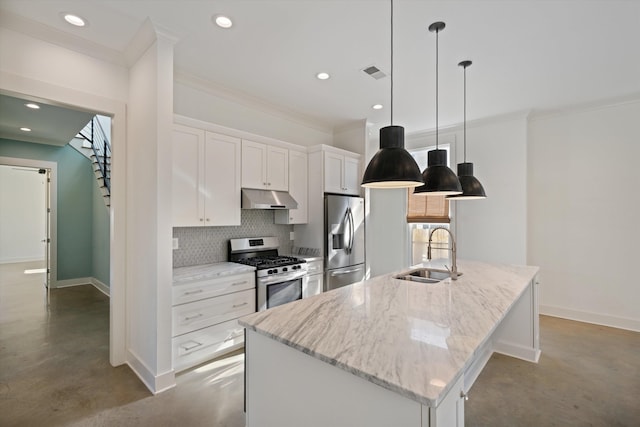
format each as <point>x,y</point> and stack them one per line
<point>206,245</point>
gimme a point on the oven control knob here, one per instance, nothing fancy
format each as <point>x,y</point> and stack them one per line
<point>270,272</point>
<point>295,267</point>
<point>284,269</point>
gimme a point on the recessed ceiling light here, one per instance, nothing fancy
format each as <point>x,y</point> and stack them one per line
<point>223,21</point>
<point>25,129</point>
<point>32,106</point>
<point>74,19</point>
<point>377,107</point>
<point>323,76</point>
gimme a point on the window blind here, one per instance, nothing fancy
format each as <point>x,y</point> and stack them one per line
<point>421,208</point>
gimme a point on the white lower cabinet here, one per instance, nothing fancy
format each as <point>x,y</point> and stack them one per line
<point>204,317</point>
<point>313,281</point>
<point>198,346</point>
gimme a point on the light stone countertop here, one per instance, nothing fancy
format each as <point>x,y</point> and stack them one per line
<point>208,271</point>
<point>413,338</point>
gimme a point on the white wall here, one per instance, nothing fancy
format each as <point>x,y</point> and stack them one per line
<point>584,207</point>
<point>34,59</point>
<point>39,69</point>
<point>197,103</point>
<point>22,214</point>
<point>494,229</point>
<point>150,113</point>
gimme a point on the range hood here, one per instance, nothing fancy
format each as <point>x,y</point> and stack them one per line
<point>267,199</point>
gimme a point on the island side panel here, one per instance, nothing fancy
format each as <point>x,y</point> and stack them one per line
<point>287,388</point>
<point>518,335</point>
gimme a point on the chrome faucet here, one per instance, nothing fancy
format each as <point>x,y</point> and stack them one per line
<point>454,266</point>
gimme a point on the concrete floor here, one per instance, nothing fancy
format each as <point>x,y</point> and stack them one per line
<point>54,371</point>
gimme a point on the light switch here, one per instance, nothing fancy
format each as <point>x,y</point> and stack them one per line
<point>292,235</point>
<point>176,245</point>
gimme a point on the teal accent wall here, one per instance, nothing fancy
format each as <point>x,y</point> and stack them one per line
<point>83,228</point>
<point>100,236</point>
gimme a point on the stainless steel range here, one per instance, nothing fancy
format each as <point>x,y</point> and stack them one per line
<point>278,278</point>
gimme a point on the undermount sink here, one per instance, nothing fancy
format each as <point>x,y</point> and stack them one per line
<point>425,275</point>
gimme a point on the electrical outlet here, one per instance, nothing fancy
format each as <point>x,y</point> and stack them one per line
<point>292,235</point>
<point>176,244</point>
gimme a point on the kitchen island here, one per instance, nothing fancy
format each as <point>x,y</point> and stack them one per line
<point>387,352</point>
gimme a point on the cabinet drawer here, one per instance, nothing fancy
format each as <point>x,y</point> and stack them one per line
<point>201,345</point>
<point>314,267</point>
<point>201,289</point>
<point>200,314</point>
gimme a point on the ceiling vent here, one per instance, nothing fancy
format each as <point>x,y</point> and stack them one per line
<point>374,72</point>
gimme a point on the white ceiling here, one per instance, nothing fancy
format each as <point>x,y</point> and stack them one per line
<point>528,54</point>
<point>50,124</point>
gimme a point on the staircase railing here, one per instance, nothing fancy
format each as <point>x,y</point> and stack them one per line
<point>94,133</point>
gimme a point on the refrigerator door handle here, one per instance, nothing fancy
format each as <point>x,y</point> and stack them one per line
<point>351,230</point>
<point>346,220</point>
<point>340,273</point>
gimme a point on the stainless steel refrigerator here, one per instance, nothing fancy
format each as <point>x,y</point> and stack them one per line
<point>344,240</point>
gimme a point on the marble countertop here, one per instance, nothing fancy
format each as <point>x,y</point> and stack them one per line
<point>208,271</point>
<point>412,338</point>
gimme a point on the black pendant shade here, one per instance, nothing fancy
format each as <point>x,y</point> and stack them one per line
<point>438,178</point>
<point>392,166</point>
<point>471,187</point>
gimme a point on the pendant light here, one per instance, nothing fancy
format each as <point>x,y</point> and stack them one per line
<point>471,187</point>
<point>392,166</point>
<point>438,178</point>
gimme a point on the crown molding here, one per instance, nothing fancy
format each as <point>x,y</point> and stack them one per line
<point>183,77</point>
<point>517,115</point>
<point>37,30</point>
<point>600,104</point>
<point>147,34</point>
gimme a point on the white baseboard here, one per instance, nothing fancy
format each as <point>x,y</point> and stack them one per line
<point>71,282</point>
<point>155,384</point>
<point>105,289</point>
<point>529,354</point>
<point>19,260</point>
<point>83,281</point>
<point>595,318</point>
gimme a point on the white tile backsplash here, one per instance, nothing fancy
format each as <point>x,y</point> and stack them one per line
<point>205,245</point>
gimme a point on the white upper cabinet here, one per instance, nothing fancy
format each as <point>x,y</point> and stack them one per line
<point>264,166</point>
<point>341,173</point>
<point>298,179</point>
<point>205,178</point>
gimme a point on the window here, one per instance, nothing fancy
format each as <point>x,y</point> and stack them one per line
<point>426,209</point>
<point>424,213</point>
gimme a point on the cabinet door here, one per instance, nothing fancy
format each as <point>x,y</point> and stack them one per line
<point>298,180</point>
<point>351,175</point>
<point>312,285</point>
<point>277,168</point>
<point>333,173</point>
<point>187,176</point>
<point>222,180</point>
<point>254,163</point>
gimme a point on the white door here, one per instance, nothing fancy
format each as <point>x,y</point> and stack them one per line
<point>47,226</point>
<point>351,176</point>
<point>222,180</point>
<point>277,169</point>
<point>333,173</point>
<point>254,162</point>
<point>187,176</point>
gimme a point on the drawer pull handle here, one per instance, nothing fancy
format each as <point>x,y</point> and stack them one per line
<point>187,318</point>
<point>197,291</point>
<point>233,337</point>
<point>191,347</point>
<point>240,305</point>
<point>239,283</point>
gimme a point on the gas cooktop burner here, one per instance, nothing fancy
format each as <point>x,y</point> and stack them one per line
<point>262,263</point>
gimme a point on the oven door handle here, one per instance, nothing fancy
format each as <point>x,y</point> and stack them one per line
<point>270,280</point>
